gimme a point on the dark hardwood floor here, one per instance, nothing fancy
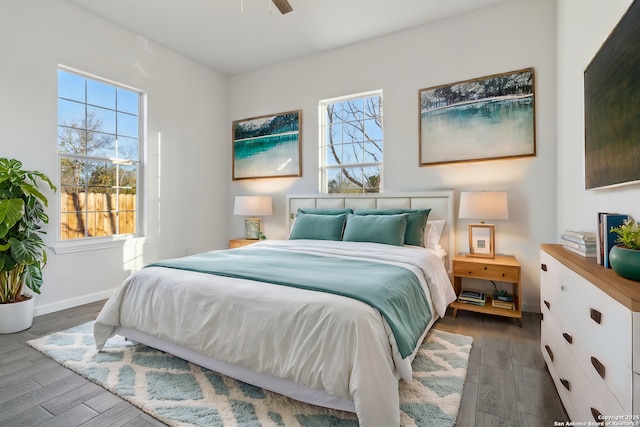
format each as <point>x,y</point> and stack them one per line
<point>507,382</point>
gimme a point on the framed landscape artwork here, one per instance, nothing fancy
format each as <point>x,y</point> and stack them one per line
<point>486,118</point>
<point>612,107</point>
<point>267,146</point>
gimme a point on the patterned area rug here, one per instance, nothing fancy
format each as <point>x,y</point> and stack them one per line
<point>180,393</point>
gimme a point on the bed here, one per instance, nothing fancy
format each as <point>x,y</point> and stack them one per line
<point>340,348</point>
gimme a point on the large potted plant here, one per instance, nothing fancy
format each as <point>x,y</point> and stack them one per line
<point>22,250</point>
<point>625,256</point>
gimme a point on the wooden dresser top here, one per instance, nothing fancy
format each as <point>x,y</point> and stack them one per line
<point>625,291</point>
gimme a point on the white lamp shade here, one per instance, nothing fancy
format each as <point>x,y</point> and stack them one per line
<point>483,205</point>
<point>253,206</point>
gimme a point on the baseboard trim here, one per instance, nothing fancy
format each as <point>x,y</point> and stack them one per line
<point>72,302</point>
<point>531,308</point>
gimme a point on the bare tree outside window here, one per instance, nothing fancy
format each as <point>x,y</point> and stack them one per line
<point>99,152</point>
<point>352,144</point>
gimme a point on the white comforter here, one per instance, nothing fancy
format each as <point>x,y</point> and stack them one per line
<point>320,340</point>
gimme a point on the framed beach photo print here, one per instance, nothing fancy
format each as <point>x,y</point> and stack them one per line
<point>267,146</point>
<point>486,118</point>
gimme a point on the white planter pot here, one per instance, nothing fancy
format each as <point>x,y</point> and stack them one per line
<point>17,316</point>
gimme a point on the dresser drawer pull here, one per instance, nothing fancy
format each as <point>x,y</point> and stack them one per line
<point>596,316</point>
<point>549,351</point>
<point>600,369</point>
<point>566,384</point>
<point>567,337</point>
<point>543,267</point>
<point>548,304</point>
<point>596,415</point>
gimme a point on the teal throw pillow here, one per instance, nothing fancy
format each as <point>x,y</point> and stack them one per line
<point>318,227</point>
<point>417,222</point>
<point>386,229</point>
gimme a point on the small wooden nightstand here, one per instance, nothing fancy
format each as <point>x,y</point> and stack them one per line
<point>501,269</point>
<point>236,243</point>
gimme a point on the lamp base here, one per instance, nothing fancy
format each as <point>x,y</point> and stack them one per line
<point>252,228</point>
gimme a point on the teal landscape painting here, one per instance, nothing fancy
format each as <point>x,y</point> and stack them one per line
<point>487,118</point>
<point>267,146</point>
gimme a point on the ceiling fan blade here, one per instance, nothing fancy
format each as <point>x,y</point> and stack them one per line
<point>283,6</point>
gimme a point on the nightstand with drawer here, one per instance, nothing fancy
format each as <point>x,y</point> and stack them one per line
<point>503,268</point>
<point>237,243</point>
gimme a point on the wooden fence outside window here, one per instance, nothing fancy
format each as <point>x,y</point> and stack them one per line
<point>97,214</point>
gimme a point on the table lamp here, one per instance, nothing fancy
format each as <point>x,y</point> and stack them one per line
<point>253,207</point>
<point>483,205</point>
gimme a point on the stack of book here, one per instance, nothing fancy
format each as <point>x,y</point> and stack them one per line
<point>503,301</point>
<point>581,242</point>
<point>472,297</point>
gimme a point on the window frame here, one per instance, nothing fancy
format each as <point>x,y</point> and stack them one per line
<point>323,146</point>
<point>114,240</point>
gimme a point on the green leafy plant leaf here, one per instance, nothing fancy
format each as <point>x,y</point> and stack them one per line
<point>25,251</point>
<point>11,212</point>
<point>33,277</point>
<point>628,234</point>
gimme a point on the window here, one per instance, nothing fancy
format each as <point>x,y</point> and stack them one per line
<point>351,144</point>
<point>99,152</point>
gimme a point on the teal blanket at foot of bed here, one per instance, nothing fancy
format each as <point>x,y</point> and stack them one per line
<point>393,290</point>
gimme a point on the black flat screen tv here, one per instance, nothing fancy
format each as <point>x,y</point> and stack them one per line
<point>612,106</point>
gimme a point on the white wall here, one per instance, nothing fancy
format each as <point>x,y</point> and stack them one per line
<point>582,28</point>
<point>188,128</point>
<point>506,37</point>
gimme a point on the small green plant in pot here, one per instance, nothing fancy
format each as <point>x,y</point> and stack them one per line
<point>625,256</point>
<point>22,250</point>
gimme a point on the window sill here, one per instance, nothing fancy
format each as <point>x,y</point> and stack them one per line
<point>97,244</point>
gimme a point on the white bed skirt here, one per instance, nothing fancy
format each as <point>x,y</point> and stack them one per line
<point>278,385</point>
<point>282,386</point>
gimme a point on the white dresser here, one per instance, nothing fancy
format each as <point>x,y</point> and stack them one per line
<point>590,336</point>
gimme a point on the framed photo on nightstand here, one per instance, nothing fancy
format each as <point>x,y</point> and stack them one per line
<point>482,240</point>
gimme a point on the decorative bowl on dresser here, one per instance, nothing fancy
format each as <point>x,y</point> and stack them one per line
<point>590,336</point>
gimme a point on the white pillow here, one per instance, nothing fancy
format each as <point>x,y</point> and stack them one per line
<point>432,233</point>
